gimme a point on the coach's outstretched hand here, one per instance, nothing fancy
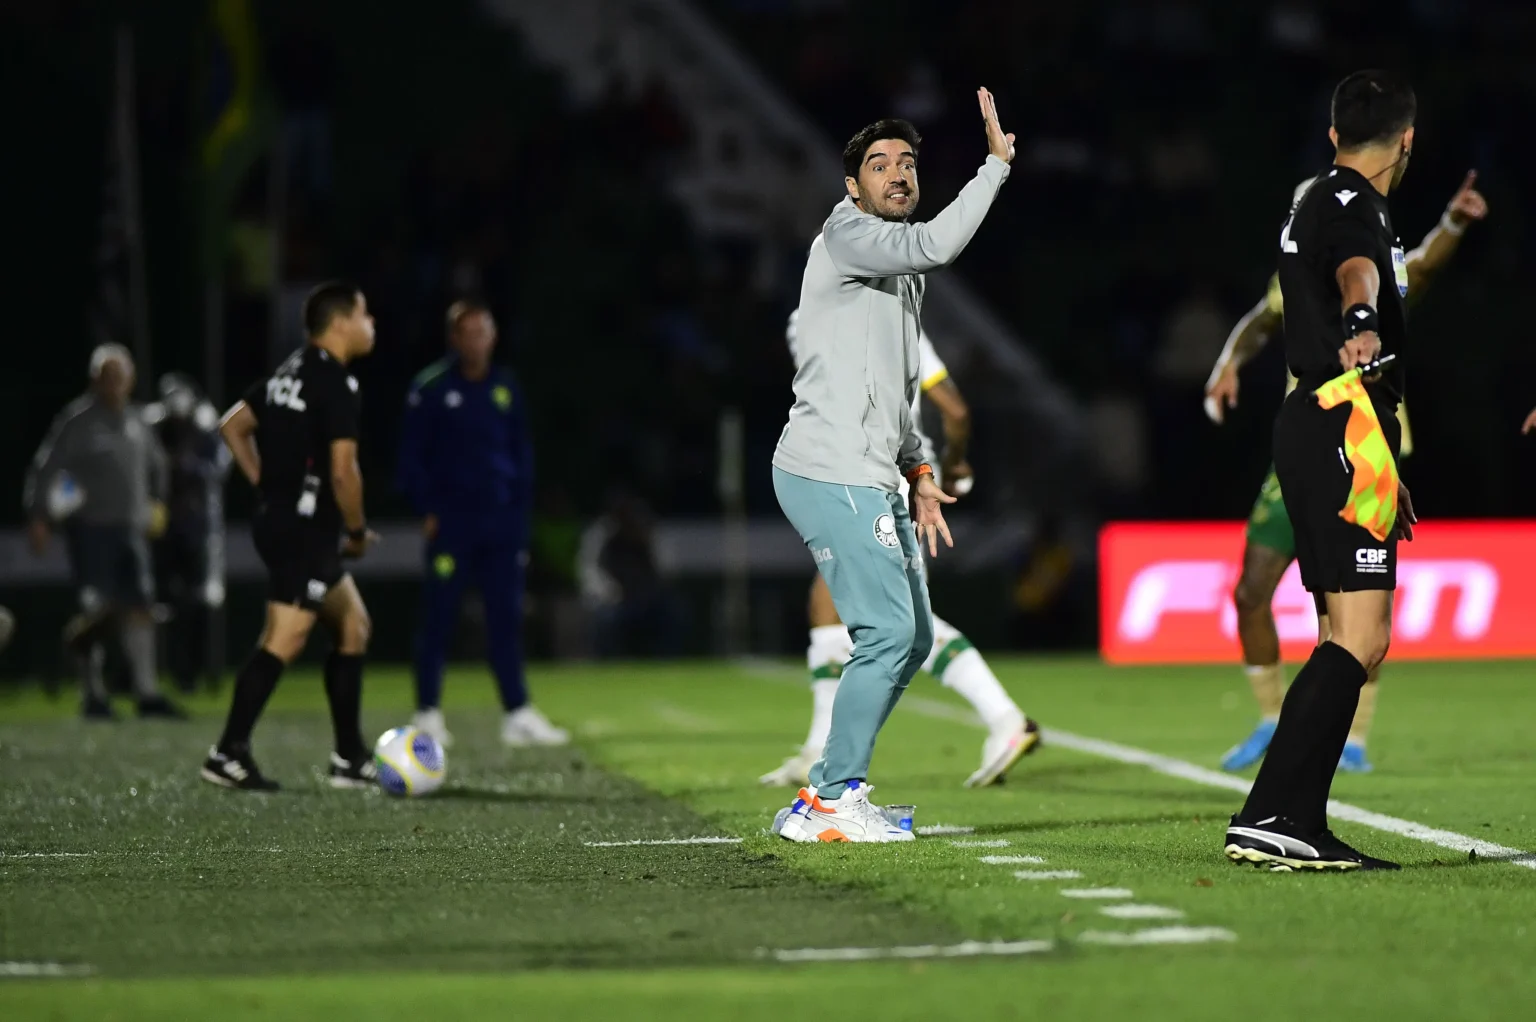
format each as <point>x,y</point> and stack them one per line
<point>928,514</point>
<point>1000,144</point>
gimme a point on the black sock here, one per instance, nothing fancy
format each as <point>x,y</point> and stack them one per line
<point>253,687</point>
<point>1346,676</point>
<point>344,690</point>
<point>1314,723</point>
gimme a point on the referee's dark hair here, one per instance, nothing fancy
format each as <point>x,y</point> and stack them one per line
<point>462,310</point>
<point>327,301</point>
<point>889,127</point>
<point>1371,108</point>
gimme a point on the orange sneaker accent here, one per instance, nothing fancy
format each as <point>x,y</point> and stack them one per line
<point>815,802</point>
<point>831,834</point>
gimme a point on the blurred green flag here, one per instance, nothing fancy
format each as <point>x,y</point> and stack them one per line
<point>239,115</point>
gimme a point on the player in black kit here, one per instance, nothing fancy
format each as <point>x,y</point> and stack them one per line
<point>294,435</point>
<point>1344,278</point>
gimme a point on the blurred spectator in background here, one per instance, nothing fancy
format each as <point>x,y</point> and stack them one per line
<point>101,472</point>
<point>634,612</point>
<point>466,463</point>
<point>185,566</point>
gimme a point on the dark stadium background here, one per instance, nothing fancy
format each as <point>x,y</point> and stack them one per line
<point>1159,143</point>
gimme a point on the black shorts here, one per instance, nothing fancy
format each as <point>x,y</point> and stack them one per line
<point>110,564</point>
<point>1335,556</point>
<point>303,562</point>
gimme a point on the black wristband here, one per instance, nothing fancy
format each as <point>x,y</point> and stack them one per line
<point>1359,319</point>
<point>358,534</point>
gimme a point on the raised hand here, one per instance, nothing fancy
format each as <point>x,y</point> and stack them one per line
<point>1000,144</point>
<point>1468,203</point>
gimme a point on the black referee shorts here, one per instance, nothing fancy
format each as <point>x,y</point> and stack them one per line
<point>302,562</point>
<point>1335,556</point>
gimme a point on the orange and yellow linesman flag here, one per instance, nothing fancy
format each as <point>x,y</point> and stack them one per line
<point>1372,501</point>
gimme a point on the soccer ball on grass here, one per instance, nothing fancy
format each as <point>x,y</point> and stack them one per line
<point>409,761</point>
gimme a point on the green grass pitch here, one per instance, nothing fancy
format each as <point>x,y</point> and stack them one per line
<point>166,898</point>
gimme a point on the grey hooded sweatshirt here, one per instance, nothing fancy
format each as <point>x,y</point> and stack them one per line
<point>860,305</point>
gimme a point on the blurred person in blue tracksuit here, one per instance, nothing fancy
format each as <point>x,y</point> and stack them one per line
<point>466,464</point>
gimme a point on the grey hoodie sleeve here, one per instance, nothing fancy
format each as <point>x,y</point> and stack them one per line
<point>911,453</point>
<point>865,246</point>
<point>52,454</point>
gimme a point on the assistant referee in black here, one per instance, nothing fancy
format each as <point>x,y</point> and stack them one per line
<point>1344,278</point>
<point>294,435</point>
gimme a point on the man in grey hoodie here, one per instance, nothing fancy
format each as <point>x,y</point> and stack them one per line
<point>102,473</point>
<point>851,442</point>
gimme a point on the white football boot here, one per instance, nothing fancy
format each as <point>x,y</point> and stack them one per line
<point>849,818</point>
<point>1002,749</point>
<point>431,721</point>
<point>794,772</point>
<point>526,726</point>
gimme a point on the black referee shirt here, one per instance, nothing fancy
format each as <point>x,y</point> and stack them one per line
<point>307,403</point>
<point>1340,217</point>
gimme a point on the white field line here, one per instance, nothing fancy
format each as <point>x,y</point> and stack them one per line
<point>1140,912</point>
<point>1097,892</point>
<point>666,841</point>
<point>1001,842</point>
<point>944,828</point>
<point>976,948</point>
<point>968,949</point>
<point>1201,775</point>
<point>48,970</point>
<point>45,855</point>
<point>1011,860</point>
<point>1158,935</point>
<point>1047,874</point>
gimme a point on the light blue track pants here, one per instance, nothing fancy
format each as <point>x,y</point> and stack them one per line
<point>864,546</point>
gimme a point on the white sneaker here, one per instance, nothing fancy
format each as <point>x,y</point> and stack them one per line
<point>1002,749</point>
<point>527,726</point>
<point>794,772</point>
<point>849,818</point>
<point>431,721</point>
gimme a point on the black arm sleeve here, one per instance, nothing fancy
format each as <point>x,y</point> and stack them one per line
<point>255,397</point>
<point>340,413</point>
<point>1349,230</point>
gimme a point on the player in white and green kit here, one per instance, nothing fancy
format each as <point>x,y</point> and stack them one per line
<point>1271,546</point>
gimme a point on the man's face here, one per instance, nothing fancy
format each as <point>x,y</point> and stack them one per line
<point>1402,163</point>
<point>887,181</point>
<point>359,328</point>
<point>114,383</point>
<point>475,337</point>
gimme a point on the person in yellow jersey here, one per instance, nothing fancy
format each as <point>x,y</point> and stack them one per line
<point>1271,545</point>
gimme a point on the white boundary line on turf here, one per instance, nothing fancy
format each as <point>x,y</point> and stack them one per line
<point>1158,935</point>
<point>1133,911</point>
<point>666,841</point>
<point>1201,775</point>
<point>967,949</point>
<point>47,970</point>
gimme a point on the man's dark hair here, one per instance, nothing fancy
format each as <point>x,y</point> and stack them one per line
<point>462,309</point>
<point>1372,107</point>
<point>326,302</point>
<point>889,127</point>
